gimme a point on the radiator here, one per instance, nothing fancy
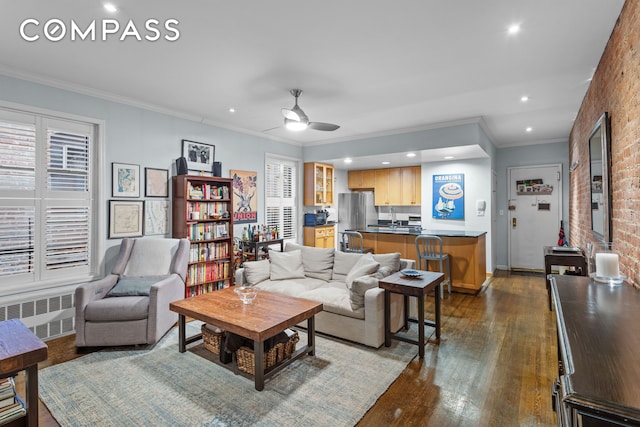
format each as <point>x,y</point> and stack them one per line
<point>47,314</point>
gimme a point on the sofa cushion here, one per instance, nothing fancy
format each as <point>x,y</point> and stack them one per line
<point>317,262</point>
<point>257,271</point>
<point>343,262</point>
<point>286,265</point>
<point>391,260</point>
<point>366,265</point>
<point>334,300</point>
<point>293,287</point>
<point>132,286</point>
<point>121,309</point>
<point>362,284</point>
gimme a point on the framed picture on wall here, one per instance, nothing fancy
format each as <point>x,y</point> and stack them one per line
<point>156,217</point>
<point>156,182</point>
<point>125,180</point>
<point>125,218</point>
<point>200,156</point>
<point>448,196</point>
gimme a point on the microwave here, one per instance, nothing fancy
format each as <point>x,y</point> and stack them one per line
<point>313,219</point>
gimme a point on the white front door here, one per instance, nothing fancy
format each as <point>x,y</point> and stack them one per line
<point>535,213</point>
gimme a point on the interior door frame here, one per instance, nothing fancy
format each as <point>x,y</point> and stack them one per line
<point>560,210</point>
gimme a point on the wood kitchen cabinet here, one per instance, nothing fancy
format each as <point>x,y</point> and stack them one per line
<point>318,184</point>
<point>322,236</point>
<point>362,179</point>
<point>387,190</point>
<point>411,186</point>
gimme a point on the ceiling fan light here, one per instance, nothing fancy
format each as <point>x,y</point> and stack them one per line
<point>295,125</point>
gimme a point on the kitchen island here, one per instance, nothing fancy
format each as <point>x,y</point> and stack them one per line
<point>466,249</point>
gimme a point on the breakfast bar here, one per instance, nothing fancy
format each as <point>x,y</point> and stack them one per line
<point>466,249</point>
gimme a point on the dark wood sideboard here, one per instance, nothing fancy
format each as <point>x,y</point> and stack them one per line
<point>598,347</point>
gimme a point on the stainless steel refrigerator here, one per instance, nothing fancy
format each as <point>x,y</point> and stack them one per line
<point>356,211</point>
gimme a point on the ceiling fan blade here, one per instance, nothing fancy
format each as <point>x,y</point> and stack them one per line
<point>323,126</point>
<point>290,114</point>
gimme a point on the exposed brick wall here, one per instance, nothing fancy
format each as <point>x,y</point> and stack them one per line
<point>615,88</point>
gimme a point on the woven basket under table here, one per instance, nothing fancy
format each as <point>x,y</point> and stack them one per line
<point>211,338</point>
<point>246,360</point>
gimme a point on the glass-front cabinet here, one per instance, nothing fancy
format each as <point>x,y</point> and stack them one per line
<point>318,184</point>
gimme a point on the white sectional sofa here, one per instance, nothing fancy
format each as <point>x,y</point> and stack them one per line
<point>345,283</point>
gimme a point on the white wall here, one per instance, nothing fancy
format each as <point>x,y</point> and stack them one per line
<point>477,186</point>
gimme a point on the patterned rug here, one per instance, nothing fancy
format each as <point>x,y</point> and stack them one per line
<point>161,387</point>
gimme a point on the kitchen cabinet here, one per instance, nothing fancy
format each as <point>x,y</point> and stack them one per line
<point>467,253</point>
<point>321,236</point>
<point>318,184</point>
<point>362,179</point>
<point>387,190</point>
<point>411,186</point>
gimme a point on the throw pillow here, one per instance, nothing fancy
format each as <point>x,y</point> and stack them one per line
<point>343,262</point>
<point>317,262</point>
<point>134,286</point>
<point>365,265</point>
<point>391,260</point>
<point>257,271</point>
<point>358,288</point>
<point>286,265</point>
<point>383,272</point>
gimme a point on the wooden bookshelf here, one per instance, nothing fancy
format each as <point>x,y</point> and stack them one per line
<point>202,212</point>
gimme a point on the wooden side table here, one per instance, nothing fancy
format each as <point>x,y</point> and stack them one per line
<point>567,257</point>
<point>417,287</point>
<point>21,350</point>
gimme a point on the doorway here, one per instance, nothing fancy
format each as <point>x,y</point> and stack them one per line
<point>535,214</point>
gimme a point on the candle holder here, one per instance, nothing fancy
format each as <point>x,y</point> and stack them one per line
<point>606,263</point>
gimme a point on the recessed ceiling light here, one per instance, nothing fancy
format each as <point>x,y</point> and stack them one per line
<point>524,98</point>
<point>529,129</point>
<point>411,154</point>
<point>514,29</point>
<point>232,110</point>
<point>449,157</point>
<point>348,160</point>
<point>386,163</point>
<point>110,7</point>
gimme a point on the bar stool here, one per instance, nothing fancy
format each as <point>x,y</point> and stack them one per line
<point>429,248</point>
<point>352,241</point>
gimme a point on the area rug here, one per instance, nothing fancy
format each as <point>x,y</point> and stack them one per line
<point>161,387</point>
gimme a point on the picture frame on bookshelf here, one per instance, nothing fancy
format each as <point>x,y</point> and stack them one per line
<point>125,218</point>
<point>156,182</point>
<point>125,180</point>
<point>156,217</point>
<point>200,156</point>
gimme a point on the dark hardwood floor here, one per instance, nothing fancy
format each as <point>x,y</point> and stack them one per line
<point>494,365</point>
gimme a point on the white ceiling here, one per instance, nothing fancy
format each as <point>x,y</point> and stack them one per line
<point>371,66</point>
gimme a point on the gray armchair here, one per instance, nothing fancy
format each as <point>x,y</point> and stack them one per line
<point>131,305</point>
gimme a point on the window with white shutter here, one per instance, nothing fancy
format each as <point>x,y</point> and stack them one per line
<point>281,197</point>
<point>46,200</point>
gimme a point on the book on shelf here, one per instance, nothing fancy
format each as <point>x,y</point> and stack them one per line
<point>13,411</point>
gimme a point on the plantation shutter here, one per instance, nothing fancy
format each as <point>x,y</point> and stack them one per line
<point>45,199</point>
<point>281,182</point>
<point>17,190</point>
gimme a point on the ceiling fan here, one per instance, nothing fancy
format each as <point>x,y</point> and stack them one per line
<point>295,119</point>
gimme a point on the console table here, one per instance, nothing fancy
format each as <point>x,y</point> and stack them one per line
<point>566,258</point>
<point>21,350</point>
<point>598,346</point>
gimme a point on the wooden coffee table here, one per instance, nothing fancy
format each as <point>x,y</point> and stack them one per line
<point>268,315</point>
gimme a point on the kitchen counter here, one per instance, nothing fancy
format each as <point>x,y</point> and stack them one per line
<point>466,249</point>
<point>414,231</point>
